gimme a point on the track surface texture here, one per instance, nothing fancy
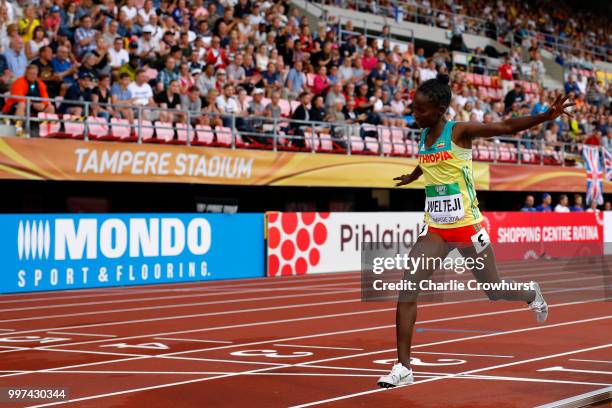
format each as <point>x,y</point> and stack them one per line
<point>306,341</point>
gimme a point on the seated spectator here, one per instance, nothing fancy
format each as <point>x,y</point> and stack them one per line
<point>546,201</point>
<point>578,205</point>
<point>296,81</point>
<point>336,116</point>
<point>593,207</point>
<point>562,205</point>
<point>212,114</point>
<point>81,92</point>
<point>226,103</point>
<point>168,74</point>
<point>300,114</point>
<point>131,67</point>
<point>101,98</point>
<point>117,54</point>
<point>27,85</point>
<point>255,125</point>
<point>170,98</point>
<point>39,40</point>
<point>317,111</point>
<point>271,79</point>
<point>142,94</point>
<point>121,95</point>
<point>192,103</point>
<point>528,206</point>
<point>63,68</point>
<point>85,36</point>
<point>321,82</point>
<point>334,95</point>
<point>514,96</point>
<point>15,57</point>
<point>273,109</point>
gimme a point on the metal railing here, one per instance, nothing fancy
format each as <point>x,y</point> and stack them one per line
<point>280,133</point>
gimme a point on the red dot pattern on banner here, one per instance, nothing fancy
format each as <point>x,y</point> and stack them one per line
<point>314,257</point>
<point>308,218</point>
<point>301,266</point>
<point>287,271</point>
<point>303,239</point>
<point>293,241</point>
<point>288,250</point>
<point>273,265</point>
<point>320,234</point>
<point>289,222</point>
<point>273,237</point>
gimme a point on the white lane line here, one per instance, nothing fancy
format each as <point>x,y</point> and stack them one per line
<point>314,317</point>
<point>7,330</point>
<point>194,340</point>
<point>464,354</point>
<point>325,334</point>
<point>573,370</point>
<point>174,306</point>
<point>159,386</point>
<point>591,361</point>
<point>82,334</point>
<point>458,375</point>
<point>318,347</point>
<point>102,353</point>
<point>328,286</point>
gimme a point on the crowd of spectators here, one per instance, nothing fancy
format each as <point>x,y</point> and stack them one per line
<point>563,204</point>
<point>242,57</point>
<point>578,36</point>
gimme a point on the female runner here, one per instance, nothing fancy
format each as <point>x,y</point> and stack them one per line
<point>452,217</point>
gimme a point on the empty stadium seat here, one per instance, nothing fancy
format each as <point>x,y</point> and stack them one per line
<point>285,107</point>
<point>204,136</point>
<point>98,129</point>
<point>120,128</point>
<point>182,129</point>
<point>224,136</point>
<point>74,126</point>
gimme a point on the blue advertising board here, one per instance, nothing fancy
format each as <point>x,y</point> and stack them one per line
<point>75,251</point>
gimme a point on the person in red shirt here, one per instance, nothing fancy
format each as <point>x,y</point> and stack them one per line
<point>216,55</point>
<point>28,85</point>
<point>506,75</point>
<point>594,138</point>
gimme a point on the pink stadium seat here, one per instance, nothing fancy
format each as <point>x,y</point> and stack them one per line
<point>527,87</point>
<point>146,130</point>
<point>285,107</point>
<point>412,147</point>
<point>310,79</point>
<point>357,145</point>
<point>294,105</point>
<point>477,79</point>
<point>483,92</point>
<point>50,126</point>
<point>98,129</point>
<point>181,133</point>
<point>205,136</point>
<point>224,136</point>
<point>74,126</point>
<point>486,81</point>
<point>399,148</point>
<point>120,128</point>
<point>469,78</point>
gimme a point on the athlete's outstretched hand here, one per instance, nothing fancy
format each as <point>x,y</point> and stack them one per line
<point>409,178</point>
<point>559,107</point>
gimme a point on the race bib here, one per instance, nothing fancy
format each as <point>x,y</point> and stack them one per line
<point>481,240</point>
<point>444,203</point>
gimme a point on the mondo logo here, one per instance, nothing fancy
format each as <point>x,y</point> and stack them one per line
<point>33,240</point>
<point>294,242</point>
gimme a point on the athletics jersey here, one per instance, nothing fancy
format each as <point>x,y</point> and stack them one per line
<point>449,183</point>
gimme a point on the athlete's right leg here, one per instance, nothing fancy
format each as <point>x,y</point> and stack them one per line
<point>428,246</point>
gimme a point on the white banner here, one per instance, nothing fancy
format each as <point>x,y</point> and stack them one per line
<point>305,243</point>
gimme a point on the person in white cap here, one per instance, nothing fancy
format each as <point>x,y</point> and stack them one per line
<point>147,45</point>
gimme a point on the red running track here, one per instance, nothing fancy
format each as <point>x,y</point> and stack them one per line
<point>305,341</point>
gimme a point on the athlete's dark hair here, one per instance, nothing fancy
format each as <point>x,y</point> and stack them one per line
<point>437,90</point>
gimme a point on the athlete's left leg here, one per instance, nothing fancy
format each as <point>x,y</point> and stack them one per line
<point>489,274</point>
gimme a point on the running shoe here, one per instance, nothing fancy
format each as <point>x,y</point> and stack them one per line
<point>399,375</point>
<point>538,305</point>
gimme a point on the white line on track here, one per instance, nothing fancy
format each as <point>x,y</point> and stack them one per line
<point>173,384</point>
<point>194,340</point>
<point>458,375</point>
<point>83,334</point>
<point>318,347</point>
<point>464,354</point>
<point>591,361</point>
<point>327,334</point>
<point>308,318</point>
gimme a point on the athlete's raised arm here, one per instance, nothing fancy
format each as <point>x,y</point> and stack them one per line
<point>466,131</point>
<point>409,178</point>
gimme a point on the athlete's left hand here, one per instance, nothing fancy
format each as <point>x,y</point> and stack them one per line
<point>558,108</point>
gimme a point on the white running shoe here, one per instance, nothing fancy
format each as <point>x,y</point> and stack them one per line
<point>399,375</point>
<point>538,305</point>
